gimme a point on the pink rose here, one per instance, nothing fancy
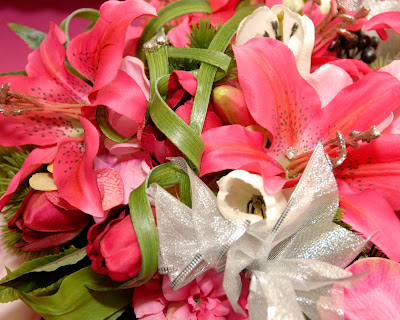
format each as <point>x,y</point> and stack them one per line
<point>114,249</point>
<point>44,225</point>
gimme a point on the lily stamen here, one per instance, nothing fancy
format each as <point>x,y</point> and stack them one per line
<point>16,103</point>
<point>335,148</point>
<point>324,33</point>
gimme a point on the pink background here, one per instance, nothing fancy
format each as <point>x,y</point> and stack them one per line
<point>35,14</point>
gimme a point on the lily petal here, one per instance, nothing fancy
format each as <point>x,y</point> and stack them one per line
<point>234,147</point>
<point>382,21</point>
<point>38,128</point>
<point>73,170</point>
<point>124,96</point>
<point>376,166</point>
<point>377,295</point>
<point>367,212</point>
<point>278,98</point>
<point>97,54</point>
<point>321,82</point>
<point>48,61</point>
<point>134,67</point>
<point>357,107</point>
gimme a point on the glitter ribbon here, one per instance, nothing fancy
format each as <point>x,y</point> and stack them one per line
<point>192,240</point>
<point>296,264</point>
<point>292,268</point>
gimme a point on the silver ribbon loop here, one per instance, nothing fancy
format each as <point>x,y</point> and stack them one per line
<point>292,268</point>
<point>302,257</point>
<point>192,240</point>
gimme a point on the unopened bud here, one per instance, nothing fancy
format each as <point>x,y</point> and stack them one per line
<point>230,106</point>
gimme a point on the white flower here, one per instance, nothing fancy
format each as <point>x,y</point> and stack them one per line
<point>242,197</point>
<point>296,31</point>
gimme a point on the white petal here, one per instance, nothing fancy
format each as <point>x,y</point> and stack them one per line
<point>236,190</point>
<point>301,42</point>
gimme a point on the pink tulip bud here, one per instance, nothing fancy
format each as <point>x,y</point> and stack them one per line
<point>229,104</point>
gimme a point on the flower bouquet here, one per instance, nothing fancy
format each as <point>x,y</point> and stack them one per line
<point>198,159</point>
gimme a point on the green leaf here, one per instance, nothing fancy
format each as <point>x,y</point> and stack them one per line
<point>73,301</point>
<point>158,65</point>
<point>215,58</point>
<point>180,134</point>
<point>86,13</point>
<point>207,72</point>
<point>40,273</point>
<point>14,73</point>
<point>201,34</point>
<point>168,13</point>
<point>107,129</point>
<point>32,37</point>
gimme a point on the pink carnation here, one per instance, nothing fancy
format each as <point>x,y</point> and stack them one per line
<point>203,299</point>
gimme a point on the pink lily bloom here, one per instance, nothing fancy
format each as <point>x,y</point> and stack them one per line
<point>51,118</point>
<point>284,104</point>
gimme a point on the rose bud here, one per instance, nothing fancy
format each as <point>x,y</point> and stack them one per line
<point>230,106</point>
<point>44,225</point>
<point>114,249</point>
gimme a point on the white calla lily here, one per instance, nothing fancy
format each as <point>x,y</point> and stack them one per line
<point>296,31</point>
<point>242,197</point>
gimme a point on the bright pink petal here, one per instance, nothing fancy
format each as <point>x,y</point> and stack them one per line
<point>271,3</point>
<point>211,121</point>
<point>148,301</point>
<point>181,311</point>
<point>54,198</point>
<point>220,5</point>
<point>393,68</point>
<point>48,61</point>
<point>355,68</point>
<point>234,147</point>
<point>179,34</point>
<point>175,295</point>
<point>377,295</point>
<point>367,102</point>
<point>179,83</point>
<point>111,187</point>
<point>321,81</point>
<point>134,67</point>
<point>37,128</point>
<point>278,98</point>
<point>45,89</point>
<point>385,20</point>
<point>121,253</point>
<point>367,212</point>
<point>375,166</point>
<point>133,169</point>
<point>97,54</point>
<point>124,96</point>
<point>74,174</point>
<point>32,162</point>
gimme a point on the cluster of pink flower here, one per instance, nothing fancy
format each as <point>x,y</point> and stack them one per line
<point>251,122</point>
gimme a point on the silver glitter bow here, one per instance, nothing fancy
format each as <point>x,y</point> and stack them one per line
<point>192,240</point>
<point>294,266</point>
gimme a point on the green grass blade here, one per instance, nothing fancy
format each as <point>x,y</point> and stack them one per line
<point>213,57</point>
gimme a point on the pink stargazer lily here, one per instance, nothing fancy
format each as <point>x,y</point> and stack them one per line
<point>283,103</point>
<point>54,99</point>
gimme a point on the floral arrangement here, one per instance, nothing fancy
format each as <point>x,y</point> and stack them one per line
<point>198,159</point>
